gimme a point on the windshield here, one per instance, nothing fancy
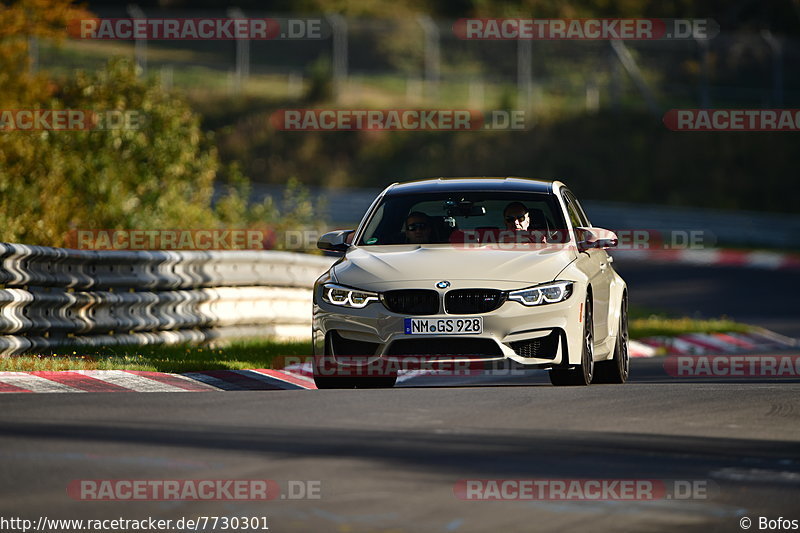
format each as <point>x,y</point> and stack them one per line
<point>450,217</point>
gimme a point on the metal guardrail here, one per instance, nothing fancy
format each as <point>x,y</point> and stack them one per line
<point>53,297</point>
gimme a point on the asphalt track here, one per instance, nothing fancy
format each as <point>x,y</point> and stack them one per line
<point>388,460</point>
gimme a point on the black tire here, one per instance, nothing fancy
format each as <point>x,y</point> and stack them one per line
<point>328,381</point>
<point>582,374</point>
<point>352,382</point>
<point>617,369</point>
<point>333,382</point>
<point>383,382</point>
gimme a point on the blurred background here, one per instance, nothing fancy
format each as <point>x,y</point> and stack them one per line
<point>209,157</point>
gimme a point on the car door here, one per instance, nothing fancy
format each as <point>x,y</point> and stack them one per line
<point>597,268</point>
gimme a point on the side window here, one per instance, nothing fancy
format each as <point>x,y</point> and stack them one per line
<point>574,217</point>
<point>581,213</point>
<point>372,227</point>
<point>573,214</point>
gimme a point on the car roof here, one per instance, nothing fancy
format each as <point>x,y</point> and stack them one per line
<point>471,184</point>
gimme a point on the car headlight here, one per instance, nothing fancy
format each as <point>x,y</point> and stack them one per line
<point>347,297</point>
<point>547,293</point>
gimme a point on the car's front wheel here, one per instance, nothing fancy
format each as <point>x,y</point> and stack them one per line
<point>334,382</point>
<point>617,369</point>
<point>328,375</point>
<point>581,374</point>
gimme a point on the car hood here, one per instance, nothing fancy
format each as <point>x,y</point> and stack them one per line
<point>384,267</point>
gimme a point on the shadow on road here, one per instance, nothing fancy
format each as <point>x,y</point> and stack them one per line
<point>559,453</point>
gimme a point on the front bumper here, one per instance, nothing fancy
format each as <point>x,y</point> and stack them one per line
<point>539,337</point>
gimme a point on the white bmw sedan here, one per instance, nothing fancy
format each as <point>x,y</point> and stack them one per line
<point>475,270</point>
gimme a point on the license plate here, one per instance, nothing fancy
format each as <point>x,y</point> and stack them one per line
<point>444,326</point>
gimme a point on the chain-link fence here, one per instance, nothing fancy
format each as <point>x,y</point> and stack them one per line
<point>418,59</point>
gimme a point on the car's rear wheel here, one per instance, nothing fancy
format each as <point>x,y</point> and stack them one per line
<point>581,374</point>
<point>617,369</point>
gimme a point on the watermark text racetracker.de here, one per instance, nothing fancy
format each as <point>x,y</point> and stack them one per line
<point>361,366</point>
<point>766,120</point>
<point>539,489</point>
<point>69,120</point>
<point>193,29</point>
<point>733,366</point>
<point>170,239</point>
<point>623,239</point>
<point>584,29</point>
<point>193,490</point>
<point>397,120</point>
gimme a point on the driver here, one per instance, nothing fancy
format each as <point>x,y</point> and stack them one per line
<point>518,220</point>
<point>418,228</point>
<point>517,217</point>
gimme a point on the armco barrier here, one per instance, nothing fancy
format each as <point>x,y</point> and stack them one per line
<point>54,297</point>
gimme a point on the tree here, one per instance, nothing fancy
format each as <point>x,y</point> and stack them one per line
<point>157,175</point>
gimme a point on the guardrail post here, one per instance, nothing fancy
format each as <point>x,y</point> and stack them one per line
<point>626,58</point>
<point>524,73</point>
<point>140,45</point>
<point>33,53</point>
<point>242,55</point>
<point>777,67</point>
<point>432,55</point>
<point>705,97</point>
<point>339,29</point>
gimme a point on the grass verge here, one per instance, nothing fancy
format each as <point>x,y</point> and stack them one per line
<point>174,358</point>
<point>651,323</point>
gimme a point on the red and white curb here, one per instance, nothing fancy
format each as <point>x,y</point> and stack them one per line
<point>714,257</point>
<point>137,381</point>
<point>640,349</point>
<point>715,343</point>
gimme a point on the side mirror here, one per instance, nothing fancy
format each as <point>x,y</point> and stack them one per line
<point>336,241</point>
<point>595,238</point>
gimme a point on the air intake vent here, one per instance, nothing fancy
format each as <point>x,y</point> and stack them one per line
<point>541,348</point>
<point>412,301</point>
<point>473,301</point>
<point>453,346</point>
<point>349,347</point>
